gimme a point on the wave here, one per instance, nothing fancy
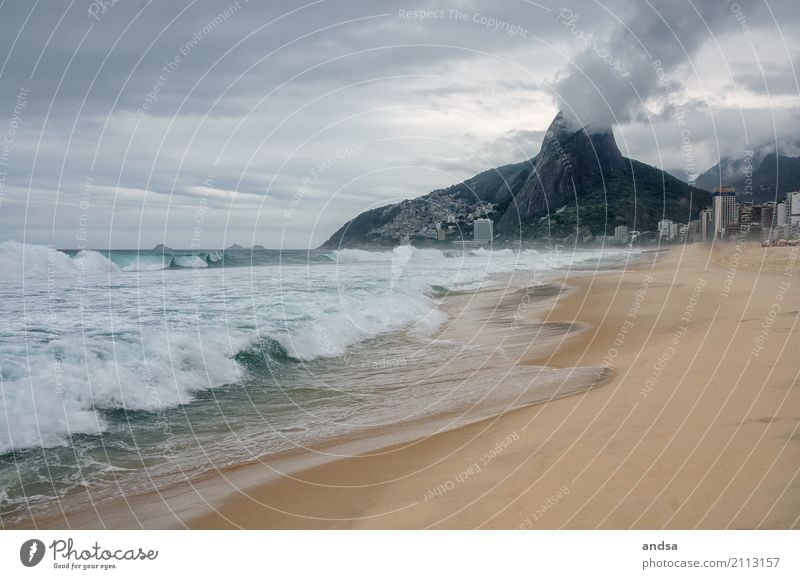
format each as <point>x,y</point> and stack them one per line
<point>481,252</point>
<point>155,261</point>
<point>19,260</point>
<point>190,261</point>
<point>399,252</point>
<point>358,255</point>
<point>262,351</point>
<point>330,335</point>
<point>62,377</point>
<point>63,388</point>
<point>142,262</point>
<point>67,384</point>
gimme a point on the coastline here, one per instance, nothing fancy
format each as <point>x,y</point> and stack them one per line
<point>711,443</point>
<point>693,428</point>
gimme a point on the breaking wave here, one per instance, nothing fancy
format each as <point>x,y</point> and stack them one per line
<point>19,260</point>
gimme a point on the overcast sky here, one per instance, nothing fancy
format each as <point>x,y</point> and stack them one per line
<point>208,123</point>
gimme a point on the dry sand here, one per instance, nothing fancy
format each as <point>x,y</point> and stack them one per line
<point>696,428</point>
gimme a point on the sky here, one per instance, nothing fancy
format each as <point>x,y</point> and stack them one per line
<point>201,124</point>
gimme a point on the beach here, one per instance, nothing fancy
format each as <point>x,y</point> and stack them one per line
<point>690,423</point>
<point>709,441</point>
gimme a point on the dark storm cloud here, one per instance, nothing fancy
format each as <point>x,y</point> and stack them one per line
<point>617,72</point>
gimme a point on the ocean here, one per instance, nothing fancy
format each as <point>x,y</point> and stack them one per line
<point>123,371</point>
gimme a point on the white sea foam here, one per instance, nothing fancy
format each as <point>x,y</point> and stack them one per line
<point>483,252</point>
<point>24,259</point>
<point>191,261</point>
<point>360,317</point>
<point>144,262</point>
<point>358,255</point>
<point>57,389</point>
<point>399,252</point>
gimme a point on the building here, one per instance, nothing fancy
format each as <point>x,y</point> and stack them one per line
<point>441,232</point>
<point>794,212</point>
<point>665,230</point>
<point>482,231</point>
<point>768,222</point>
<point>724,208</point>
<point>706,225</point>
<point>693,231</point>
<point>744,217</point>
<point>621,234</point>
<point>780,220</point>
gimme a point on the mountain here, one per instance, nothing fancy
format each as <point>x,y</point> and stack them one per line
<point>571,162</point>
<point>772,175</point>
<point>578,183</point>
<point>679,174</point>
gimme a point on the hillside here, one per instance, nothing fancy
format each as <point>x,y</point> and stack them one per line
<point>773,175</point>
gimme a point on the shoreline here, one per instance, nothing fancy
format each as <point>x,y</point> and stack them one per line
<point>682,435</point>
<point>483,315</point>
<point>679,443</point>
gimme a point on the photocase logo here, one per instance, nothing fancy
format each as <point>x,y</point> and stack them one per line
<point>31,552</point>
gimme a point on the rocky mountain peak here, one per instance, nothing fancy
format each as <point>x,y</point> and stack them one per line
<point>570,157</point>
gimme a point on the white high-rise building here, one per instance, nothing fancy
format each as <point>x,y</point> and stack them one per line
<point>780,219</point>
<point>769,222</point>
<point>794,216</point>
<point>621,234</point>
<point>665,229</point>
<point>724,207</point>
<point>482,231</point>
<point>706,225</point>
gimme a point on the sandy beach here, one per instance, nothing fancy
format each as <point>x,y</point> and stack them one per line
<point>692,423</point>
